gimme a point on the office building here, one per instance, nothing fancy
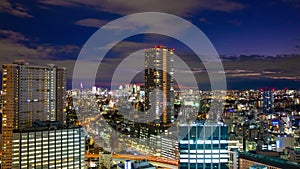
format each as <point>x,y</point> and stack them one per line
<point>48,145</point>
<point>203,146</point>
<point>159,91</point>
<point>29,93</point>
<point>169,148</point>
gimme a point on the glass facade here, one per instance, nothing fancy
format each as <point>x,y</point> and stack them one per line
<point>203,146</point>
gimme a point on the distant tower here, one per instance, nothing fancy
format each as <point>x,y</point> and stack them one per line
<point>81,87</point>
<point>268,101</point>
<point>29,93</point>
<point>159,91</point>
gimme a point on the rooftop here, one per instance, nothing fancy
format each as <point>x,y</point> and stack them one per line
<point>272,161</point>
<point>44,126</point>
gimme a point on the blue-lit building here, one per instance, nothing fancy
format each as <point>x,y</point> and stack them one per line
<point>203,146</point>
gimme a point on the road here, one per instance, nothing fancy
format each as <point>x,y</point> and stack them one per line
<point>159,161</point>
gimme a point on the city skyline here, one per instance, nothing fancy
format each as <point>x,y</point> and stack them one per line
<point>259,122</point>
<point>235,28</point>
<point>150,84</point>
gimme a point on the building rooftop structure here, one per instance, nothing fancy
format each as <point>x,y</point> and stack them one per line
<point>44,125</point>
<point>272,161</point>
<point>203,123</point>
<point>257,166</point>
<point>139,164</point>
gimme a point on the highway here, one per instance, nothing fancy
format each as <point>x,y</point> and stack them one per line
<point>155,160</point>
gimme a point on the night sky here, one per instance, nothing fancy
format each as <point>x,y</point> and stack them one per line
<point>54,31</point>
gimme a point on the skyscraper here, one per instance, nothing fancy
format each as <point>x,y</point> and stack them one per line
<point>159,91</point>
<point>203,146</point>
<point>268,101</point>
<point>29,93</point>
<point>71,116</point>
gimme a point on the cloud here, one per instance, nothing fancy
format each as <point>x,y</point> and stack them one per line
<point>12,51</point>
<point>15,9</point>
<point>125,47</point>
<point>181,8</point>
<point>135,23</point>
<point>90,22</point>
<point>54,51</point>
<point>245,75</point>
<point>14,45</point>
<point>284,77</point>
<point>11,35</point>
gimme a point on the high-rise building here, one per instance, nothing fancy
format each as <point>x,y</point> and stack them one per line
<point>203,146</point>
<point>268,101</point>
<point>71,116</point>
<point>159,91</point>
<point>48,145</point>
<point>29,93</point>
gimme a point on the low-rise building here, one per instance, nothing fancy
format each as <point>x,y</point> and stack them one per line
<point>246,160</point>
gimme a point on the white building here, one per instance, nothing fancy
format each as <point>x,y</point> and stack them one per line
<point>49,147</point>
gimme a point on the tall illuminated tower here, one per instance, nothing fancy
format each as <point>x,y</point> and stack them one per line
<point>29,93</point>
<point>159,89</point>
<point>268,101</point>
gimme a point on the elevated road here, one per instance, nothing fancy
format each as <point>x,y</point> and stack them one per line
<point>139,157</point>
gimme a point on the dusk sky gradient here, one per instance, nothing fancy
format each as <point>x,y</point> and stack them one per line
<point>43,31</point>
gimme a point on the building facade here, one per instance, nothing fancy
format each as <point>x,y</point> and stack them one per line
<point>268,101</point>
<point>29,93</point>
<point>233,162</point>
<point>159,90</point>
<point>203,146</point>
<point>169,148</point>
<point>49,148</point>
<point>105,159</point>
